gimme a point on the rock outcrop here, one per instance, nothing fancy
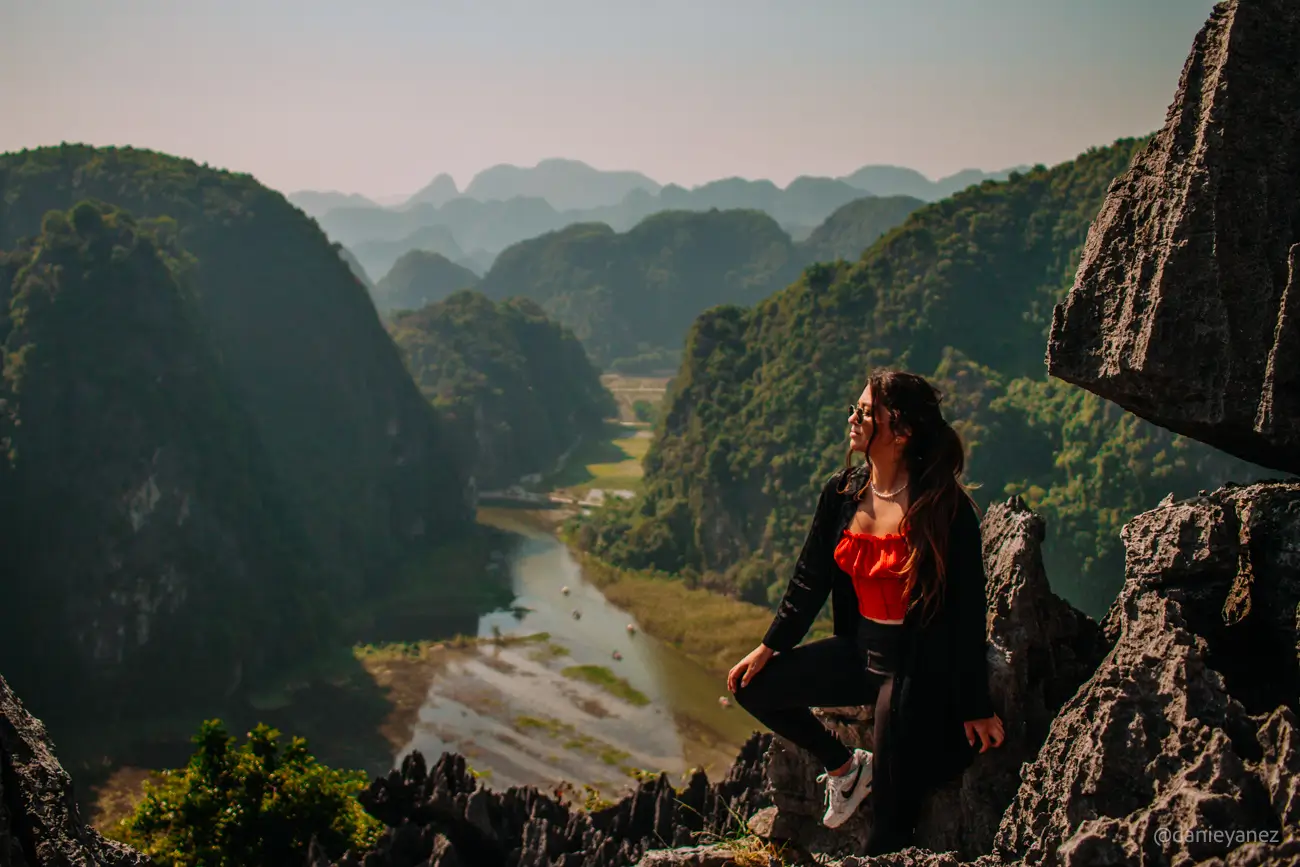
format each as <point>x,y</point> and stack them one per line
<point>444,817</point>
<point>1186,305</point>
<point>1185,741</point>
<point>40,825</point>
<point>1041,650</point>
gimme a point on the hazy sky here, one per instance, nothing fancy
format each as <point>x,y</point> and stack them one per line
<point>378,97</point>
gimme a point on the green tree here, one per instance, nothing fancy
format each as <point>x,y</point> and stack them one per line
<point>644,410</point>
<point>255,805</point>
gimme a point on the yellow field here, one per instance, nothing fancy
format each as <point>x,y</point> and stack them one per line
<point>612,462</point>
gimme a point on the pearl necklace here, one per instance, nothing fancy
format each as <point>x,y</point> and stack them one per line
<point>891,494</point>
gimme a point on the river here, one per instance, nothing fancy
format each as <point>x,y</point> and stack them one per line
<point>509,707</point>
<point>519,719</point>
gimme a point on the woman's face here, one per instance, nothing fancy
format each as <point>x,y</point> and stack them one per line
<point>865,418</point>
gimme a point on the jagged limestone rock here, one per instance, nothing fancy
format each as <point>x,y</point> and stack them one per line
<point>444,816</point>
<point>40,825</point>
<point>1190,722</point>
<point>1184,309</point>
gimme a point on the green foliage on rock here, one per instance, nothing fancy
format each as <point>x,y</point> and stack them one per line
<point>962,291</point>
<point>516,388</point>
<point>257,804</point>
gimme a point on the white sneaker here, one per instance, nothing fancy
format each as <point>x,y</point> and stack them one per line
<point>845,792</point>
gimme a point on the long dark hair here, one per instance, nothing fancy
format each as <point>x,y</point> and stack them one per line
<point>935,459</point>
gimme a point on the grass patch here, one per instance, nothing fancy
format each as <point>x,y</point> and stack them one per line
<point>612,460</point>
<point>549,652</point>
<point>422,650</point>
<point>573,739</point>
<point>599,675</point>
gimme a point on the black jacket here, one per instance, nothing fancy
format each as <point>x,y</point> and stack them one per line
<point>942,679</point>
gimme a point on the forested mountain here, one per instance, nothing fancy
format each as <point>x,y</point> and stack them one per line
<point>139,491</point>
<point>378,257</point>
<point>506,204</point>
<point>420,278</point>
<point>311,394</point>
<point>963,291</point>
<point>439,191</point>
<point>568,185</point>
<point>631,297</point>
<point>517,388</point>
<point>899,181</point>
<point>851,229</point>
<point>315,203</point>
<point>355,267</point>
<point>379,235</point>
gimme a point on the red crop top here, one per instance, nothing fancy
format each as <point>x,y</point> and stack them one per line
<point>873,562</point>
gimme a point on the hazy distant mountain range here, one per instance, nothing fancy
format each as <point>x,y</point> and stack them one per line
<point>506,204</point>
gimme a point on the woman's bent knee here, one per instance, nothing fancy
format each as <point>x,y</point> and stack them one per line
<point>755,694</point>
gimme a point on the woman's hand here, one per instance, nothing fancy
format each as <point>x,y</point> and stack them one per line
<point>742,672</point>
<point>989,731</point>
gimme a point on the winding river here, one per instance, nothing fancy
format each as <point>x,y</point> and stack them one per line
<point>520,715</point>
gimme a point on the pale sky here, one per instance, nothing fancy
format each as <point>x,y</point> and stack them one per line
<point>377,97</point>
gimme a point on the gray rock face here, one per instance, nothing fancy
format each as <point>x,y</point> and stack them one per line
<point>1041,650</point>
<point>40,825</point>
<point>692,856</point>
<point>1185,306</point>
<point>1186,739</point>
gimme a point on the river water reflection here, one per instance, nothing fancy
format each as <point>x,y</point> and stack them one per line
<point>517,717</point>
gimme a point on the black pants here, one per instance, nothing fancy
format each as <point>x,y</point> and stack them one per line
<point>841,672</point>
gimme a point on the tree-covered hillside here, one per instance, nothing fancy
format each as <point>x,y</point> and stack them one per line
<point>420,278</point>
<point>146,539</point>
<point>635,294</point>
<point>962,291</point>
<point>631,297</point>
<point>851,229</point>
<point>516,387</point>
<point>326,388</point>
<point>363,466</point>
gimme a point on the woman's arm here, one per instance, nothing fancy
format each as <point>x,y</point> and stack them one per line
<point>968,616</point>
<point>811,582</point>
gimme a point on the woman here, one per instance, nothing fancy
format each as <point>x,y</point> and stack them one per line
<point>895,543</point>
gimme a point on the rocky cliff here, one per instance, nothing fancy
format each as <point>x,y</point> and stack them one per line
<point>40,825</point>
<point>1186,307</point>
<point>145,538</point>
<point>232,445</point>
